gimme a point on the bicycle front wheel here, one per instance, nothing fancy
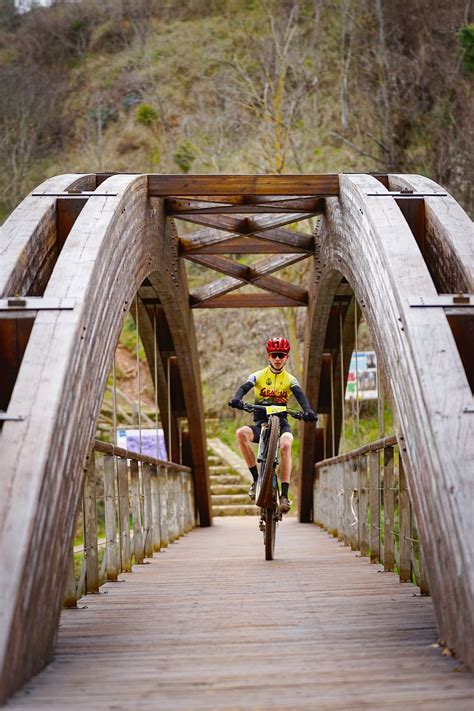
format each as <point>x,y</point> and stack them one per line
<point>270,533</point>
<point>265,494</point>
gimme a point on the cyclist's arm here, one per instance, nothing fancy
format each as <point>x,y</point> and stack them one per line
<point>243,390</point>
<point>300,397</point>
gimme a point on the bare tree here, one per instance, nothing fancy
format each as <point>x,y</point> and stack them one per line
<point>29,124</point>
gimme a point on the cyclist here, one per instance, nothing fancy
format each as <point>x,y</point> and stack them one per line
<point>273,386</point>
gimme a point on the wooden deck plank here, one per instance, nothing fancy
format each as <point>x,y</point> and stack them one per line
<point>209,624</point>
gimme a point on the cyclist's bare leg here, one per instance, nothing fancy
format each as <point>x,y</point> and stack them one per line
<point>245,438</point>
<point>286,440</point>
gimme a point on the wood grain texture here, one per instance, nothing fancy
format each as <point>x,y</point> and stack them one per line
<point>180,207</point>
<point>367,240</point>
<point>170,283</point>
<point>109,251</point>
<point>248,301</point>
<point>204,625</point>
<point>28,237</point>
<point>449,235</point>
<point>183,185</point>
<point>256,275</point>
<point>279,240</point>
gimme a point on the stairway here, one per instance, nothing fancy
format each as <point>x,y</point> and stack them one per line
<point>229,484</point>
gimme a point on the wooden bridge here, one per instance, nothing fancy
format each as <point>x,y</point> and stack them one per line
<point>79,254</point>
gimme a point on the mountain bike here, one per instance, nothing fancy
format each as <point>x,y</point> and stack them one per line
<point>268,492</point>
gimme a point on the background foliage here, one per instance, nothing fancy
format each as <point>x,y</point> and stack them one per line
<point>236,86</point>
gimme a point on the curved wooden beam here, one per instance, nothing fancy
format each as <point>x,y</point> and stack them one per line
<point>170,283</point>
<point>448,230</point>
<point>28,237</point>
<point>368,241</point>
<point>110,250</point>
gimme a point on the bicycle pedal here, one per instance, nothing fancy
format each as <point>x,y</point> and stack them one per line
<point>261,526</point>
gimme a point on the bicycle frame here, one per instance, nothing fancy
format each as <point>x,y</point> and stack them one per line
<point>265,494</point>
<point>268,493</point>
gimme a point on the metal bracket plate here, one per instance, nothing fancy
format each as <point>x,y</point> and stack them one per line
<point>84,194</point>
<point>5,417</point>
<point>443,301</point>
<point>401,194</point>
<point>35,303</point>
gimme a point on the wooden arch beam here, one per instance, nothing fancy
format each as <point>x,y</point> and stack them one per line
<point>367,240</point>
<point>110,250</point>
<point>448,235</point>
<point>28,246</point>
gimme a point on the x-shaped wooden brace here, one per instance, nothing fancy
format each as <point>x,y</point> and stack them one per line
<point>256,274</point>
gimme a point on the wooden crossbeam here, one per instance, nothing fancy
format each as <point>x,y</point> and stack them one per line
<point>223,286</point>
<point>215,288</point>
<point>245,225</point>
<point>247,301</point>
<point>181,208</point>
<point>247,245</point>
<point>272,200</point>
<point>165,185</point>
<point>269,222</point>
<point>211,241</point>
<point>250,272</point>
<point>257,275</point>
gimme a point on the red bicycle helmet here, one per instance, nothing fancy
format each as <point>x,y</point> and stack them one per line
<point>278,344</point>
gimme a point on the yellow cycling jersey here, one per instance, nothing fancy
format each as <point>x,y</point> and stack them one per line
<point>272,388</point>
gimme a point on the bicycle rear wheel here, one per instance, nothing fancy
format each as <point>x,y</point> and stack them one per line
<point>270,533</point>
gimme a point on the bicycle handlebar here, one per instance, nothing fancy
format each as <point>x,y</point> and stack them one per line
<point>247,407</point>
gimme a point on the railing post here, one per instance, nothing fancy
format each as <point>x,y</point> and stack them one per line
<point>90,528</point>
<point>147,519</point>
<point>405,543</point>
<point>363,505</point>
<point>316,496</point>
<point>339,502</point>
<point>388,508</point>
<point>354,504</point>
<point>70,597</point>
<point>110,518</point>
<point>347,491</point>
<point>178,503</point>
<point>374,472</point>
<point>191,503</point>
<point>182,503</point>
<point>423,582</point>
<point>135,496</point>
<point>163,486</point>
<point>124,516</point>
<point>173,490</point>
<point>155,508</point>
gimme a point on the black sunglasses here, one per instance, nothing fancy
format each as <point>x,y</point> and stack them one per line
<point>278,355</point>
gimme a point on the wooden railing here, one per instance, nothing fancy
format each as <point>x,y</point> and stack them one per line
<point>132,506</point>
<point>365,503</point>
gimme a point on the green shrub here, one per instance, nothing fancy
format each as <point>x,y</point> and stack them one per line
<point>184,156</point>
<point>146,115</point>
<point>466,40</point>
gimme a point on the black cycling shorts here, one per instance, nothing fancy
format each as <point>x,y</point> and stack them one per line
<point>257,428</point>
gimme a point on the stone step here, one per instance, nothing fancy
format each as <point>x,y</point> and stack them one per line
<point>241,488</point>
<point>219,469</point>
<point>213,459</point>
<point>230,499</point>
<point>232,479</point>
<point>232,510</point>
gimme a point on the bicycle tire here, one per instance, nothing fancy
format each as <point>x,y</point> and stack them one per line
<point>265,496</point>
<point>270,533</point>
